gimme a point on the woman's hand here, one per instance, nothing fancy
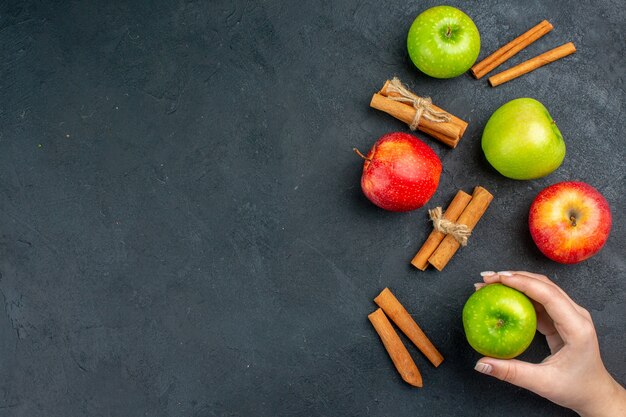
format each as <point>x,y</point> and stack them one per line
<point>573,375</point>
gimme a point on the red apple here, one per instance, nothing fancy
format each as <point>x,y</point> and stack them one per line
<point>569,221</point>
<point>400,172</point>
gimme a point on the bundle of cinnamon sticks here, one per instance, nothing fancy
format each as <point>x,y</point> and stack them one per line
<point>440,247</point>
<point>391,307</point>
<point>395,99</point>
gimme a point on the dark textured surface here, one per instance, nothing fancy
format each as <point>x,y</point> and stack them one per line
<point>182,227</point>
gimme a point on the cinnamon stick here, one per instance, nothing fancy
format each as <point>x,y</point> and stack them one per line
<point>532,64</point>
<point>398,314</point>
<point>445,133</point>
<point>452,213</point>
<point>481,199</point>
<point>396,350</point>
<point>453,119</point>
<point>510,49</point>
<point>448,132</point>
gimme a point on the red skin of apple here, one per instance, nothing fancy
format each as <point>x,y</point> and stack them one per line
<point>400,173</point>
<point>569,221</point>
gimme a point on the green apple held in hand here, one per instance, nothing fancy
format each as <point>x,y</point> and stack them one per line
<point>522,141</point>
<point>443,42</point>
<point>499,321</point>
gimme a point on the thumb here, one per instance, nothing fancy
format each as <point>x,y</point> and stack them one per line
<point>522,374</point>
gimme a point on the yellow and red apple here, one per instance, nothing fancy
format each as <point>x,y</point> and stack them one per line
<point>570,221</point>
<point>400,172</point>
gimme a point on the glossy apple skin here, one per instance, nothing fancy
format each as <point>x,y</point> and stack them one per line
<point>552,227</point>
<point>443,42</point>
<point>522,142</point>
<point>499,321</point>
<point>401,172</point>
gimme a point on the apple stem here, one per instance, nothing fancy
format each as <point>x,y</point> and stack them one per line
<point>448,32</point>
<point>358,152</point>
<point>573,220</point>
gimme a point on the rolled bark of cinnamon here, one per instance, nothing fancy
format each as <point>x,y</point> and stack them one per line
<point>481,199</point>
<point>532,64</point>
<point>448,132</point>
<point>510,49</point>
<point>398,314</point>
<point>396,350</point>
<point>452,213</point>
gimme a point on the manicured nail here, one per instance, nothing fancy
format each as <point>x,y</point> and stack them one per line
<point>479,285</point>
<point>483,368</point>
<point>487,273</point>
<point>505,273</point>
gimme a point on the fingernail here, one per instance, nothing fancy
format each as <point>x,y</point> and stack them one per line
<point>505,273</point>
<point>479,285</point>
<point>483,368</point>
<point>487,273</point>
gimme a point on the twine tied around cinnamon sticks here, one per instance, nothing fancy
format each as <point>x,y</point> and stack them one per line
<point>458,231</point>
<point>422,105</point>
<point>464,210</point>
<point>418,112</point>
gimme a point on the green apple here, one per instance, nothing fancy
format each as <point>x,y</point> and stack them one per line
<point>443,42</point>
<point>522,141</point>
<point>499,321</point>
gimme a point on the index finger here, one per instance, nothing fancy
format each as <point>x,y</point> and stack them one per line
<point>549,281</point>
<point>556,304</point>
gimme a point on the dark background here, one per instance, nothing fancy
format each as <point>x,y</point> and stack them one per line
<point>182,227</point>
